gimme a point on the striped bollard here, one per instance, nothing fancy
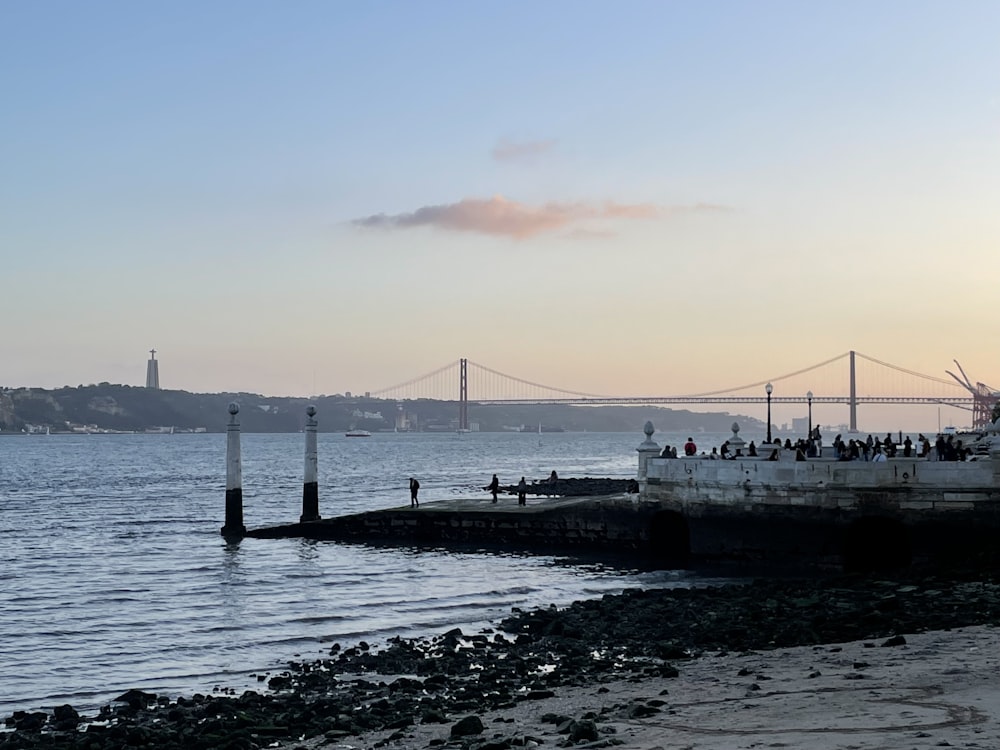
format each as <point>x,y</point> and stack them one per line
<point>310,484</point>
<point>234,528</point>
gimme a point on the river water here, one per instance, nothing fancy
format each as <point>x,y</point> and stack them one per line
<point>113,574</point>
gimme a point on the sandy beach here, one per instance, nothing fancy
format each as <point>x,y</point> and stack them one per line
<point>938,689</point>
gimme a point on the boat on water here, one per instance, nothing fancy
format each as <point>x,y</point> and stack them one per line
<point>357,433</point>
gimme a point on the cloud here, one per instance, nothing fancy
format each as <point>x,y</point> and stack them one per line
<point>526,151</point>
<point>506,218</point>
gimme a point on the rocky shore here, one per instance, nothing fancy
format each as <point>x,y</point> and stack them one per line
<point>502,688</point>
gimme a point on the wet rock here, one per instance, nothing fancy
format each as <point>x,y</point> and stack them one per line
<point>29,721</point>
<point>65,718</point>
<point>136,698</point>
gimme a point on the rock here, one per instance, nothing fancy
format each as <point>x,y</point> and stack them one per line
<point>536,695</point>
<point>585,730</point>
<point>641,710</point>
<point>896,640</point>
<point>500,743</point>
<point>136,698</point>
<point>468,726</point>
<point>30,722</point>
<point>65,718</point>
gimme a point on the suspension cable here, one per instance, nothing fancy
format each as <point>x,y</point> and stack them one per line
<point>535,385</point>
<point>411,381</point>
<point>770,380</point>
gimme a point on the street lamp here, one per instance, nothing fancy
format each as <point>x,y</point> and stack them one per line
<point>809,398</point>
<point>767,389</point>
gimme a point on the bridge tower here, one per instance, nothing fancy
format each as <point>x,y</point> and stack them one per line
<point>854,397</point>
<point>463,394</point>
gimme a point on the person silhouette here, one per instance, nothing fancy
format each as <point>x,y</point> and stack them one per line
<point>414,489</point>
<point>494,487</point>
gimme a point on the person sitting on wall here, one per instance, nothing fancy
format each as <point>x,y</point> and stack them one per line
<point>724,450</point>
<point>800,455</point>
<point>788,444</point>
<point>714,455</point>
<point>774,455</point>
<point>752,449</point>
<point>665,453</point>
<point>879,456</point>
<point>690,449</point>
<point>632,487</point>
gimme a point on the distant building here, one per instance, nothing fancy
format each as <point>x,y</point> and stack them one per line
<point>152,371</point>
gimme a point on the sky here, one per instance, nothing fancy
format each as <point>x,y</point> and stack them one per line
<point>626,198</point>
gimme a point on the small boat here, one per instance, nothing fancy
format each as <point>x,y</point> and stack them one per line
<point>357,433</point>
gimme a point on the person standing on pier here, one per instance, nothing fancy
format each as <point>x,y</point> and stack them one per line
<point>414,489</point>
<point>494,487</point>
<point>522,492</point>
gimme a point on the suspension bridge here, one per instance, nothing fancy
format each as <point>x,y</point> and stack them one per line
<point>864,380</point>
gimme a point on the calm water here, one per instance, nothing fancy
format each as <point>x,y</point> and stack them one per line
<point>113,574</point>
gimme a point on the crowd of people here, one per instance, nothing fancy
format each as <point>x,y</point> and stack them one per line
<point>945,448</point>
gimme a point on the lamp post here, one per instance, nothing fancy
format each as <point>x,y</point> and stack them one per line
<point>767,389</point>
<point>809,398</point>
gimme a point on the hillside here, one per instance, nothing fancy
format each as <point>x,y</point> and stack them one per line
<point>122,408</point>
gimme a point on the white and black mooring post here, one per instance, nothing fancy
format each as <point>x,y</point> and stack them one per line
<point>310,483</point>
<point>234,528</point>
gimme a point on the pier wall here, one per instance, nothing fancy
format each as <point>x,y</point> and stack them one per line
<point>611,524</point>
<point>854,514</point>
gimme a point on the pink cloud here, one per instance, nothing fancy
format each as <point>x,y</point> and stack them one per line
<point>506,218</point>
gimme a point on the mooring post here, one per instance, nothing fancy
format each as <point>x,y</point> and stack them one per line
<point>310,484</point>
<point>234,528</point>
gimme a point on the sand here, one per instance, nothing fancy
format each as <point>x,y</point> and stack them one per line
<point>939,689</point>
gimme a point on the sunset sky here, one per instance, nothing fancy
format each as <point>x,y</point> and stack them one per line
<point>616,198</point>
